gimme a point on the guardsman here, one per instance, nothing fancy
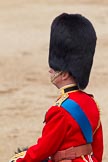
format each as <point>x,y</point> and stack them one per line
<point>72,130</point>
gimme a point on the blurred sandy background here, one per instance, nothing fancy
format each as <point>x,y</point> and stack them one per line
<point>25,89</point>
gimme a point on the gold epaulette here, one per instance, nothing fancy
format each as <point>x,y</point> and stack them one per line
<point>99,122</point>
<point>61,99</point>
<point>98,125</point>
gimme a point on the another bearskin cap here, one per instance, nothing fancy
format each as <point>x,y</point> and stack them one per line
<point>72,46</point>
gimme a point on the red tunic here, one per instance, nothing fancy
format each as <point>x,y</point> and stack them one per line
<point>61,131</point>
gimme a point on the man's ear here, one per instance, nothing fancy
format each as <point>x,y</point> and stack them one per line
<point>65,75</point>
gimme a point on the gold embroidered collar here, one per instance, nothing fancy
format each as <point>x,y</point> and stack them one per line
<point>68,88</point>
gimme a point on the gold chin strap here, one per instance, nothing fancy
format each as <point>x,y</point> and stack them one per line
<point>55,76</point>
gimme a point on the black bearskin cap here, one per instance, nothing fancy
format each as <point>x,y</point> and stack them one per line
<point>72,46</point>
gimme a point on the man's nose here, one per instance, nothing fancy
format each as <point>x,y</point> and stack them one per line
<point>51,70</point>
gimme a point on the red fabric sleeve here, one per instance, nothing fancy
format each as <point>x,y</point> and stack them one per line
<point>98,144</point>
<point>52,136</point>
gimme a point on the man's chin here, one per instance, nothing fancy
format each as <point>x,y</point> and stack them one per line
<point>55,84</point>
